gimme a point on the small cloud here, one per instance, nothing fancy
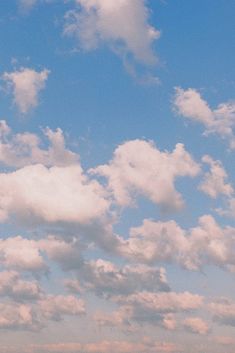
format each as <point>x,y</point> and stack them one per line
<point>25,85</point>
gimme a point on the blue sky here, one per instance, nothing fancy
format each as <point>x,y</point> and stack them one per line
<point>117,176</point>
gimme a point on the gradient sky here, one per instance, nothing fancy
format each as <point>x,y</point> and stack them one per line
<point>117,200</point>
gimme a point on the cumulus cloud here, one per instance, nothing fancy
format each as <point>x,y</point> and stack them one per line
<point>138,167</point>
<point>11,285</point>
<point>17,316</point>
<point>36,315</point>
<point>55,307</point>
<point>196,325</point>
<point>221,120</point>
<point>56,194</point>
<point>106,279</point>
<point>214,182</point>
<point>26,85</point>
<point>121,24</point>
<point>21,254</point>
<point>24,254</point>
<point>223,311</point>
<point>21,149</point>
<point>207,243</point>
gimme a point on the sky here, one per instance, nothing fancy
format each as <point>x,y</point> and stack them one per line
<point>117,192</point>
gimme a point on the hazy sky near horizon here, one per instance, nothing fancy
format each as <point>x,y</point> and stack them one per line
<point>117,179</point>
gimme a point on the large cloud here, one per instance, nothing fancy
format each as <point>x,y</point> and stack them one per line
<point>121,24</point>
<point>56,194</point>
<point>207,243</point>
<point>106,279</point>
<point>151,307</point>
<point>138,167</point>
<point>26,85</point>
<point>221,120</point>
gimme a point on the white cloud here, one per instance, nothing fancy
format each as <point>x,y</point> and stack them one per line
<point>106,279</point>
<point>26,85</point>
<point>196,325</point>
<point>11,285</point>
<point>17,316</point>
<point>21,149</point>
<point>221,120</point>
<point>207,243</point>
<point>214,181</point>
<point>55,307</point>
<point>121,24</point>
<point>138,167</point>
<point>21,254</point>
<point>223,311</point>
<point>56,194</point>
<point>152,307</point>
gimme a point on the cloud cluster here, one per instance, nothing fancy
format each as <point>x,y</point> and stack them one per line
<point>74,213</point>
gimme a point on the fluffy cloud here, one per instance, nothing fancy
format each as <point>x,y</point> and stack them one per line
<point>11,285</point>
<point>196,325</point>
<point>221,120</point>
<point>36,316</point>
<point>106,279</point>
<point>223,311</point>
<point>55,307</point>
<point>21,254</point>
<point>18,316</point>
<point>152,307</point>
<point>56,194</point>
<point>26,85</point>
<point>121,24</point>
<point>214,182</point>
<point>207,243</point>
<point>21,149</point>
<point>138,167</point>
